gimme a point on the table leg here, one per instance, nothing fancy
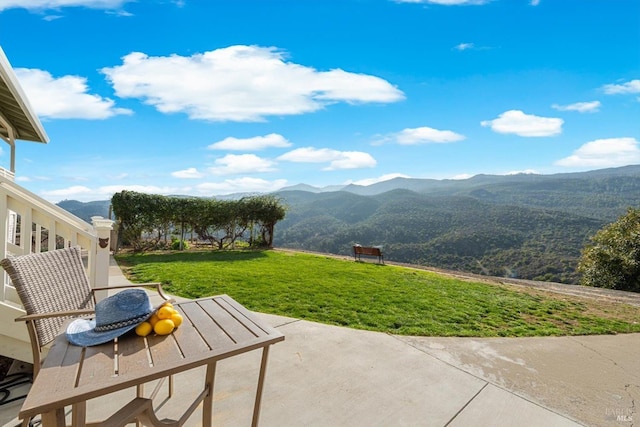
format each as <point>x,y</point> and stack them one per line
<point>79,414</point>
<point>263,370</point>
<point>139,393</point>
<point>207,404</point>
<point>54,418</point>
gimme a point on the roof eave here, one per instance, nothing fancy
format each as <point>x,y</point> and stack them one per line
<point>8,77</point>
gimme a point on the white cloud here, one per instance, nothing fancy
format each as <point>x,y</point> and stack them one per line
<point>310,155</point>
<point>522,172</point>
<point>76,178</point>
<point>251,144</point>
<point>447,2</point>
<point>581,107</point>
<point>534,2</point>
<point>233,164</point>
<point>189,173</point>
<point>519,123</point>
<point>70,192</point>
<point>632,86</point>
<point>121,12</point>
<point>421,135</point>
<point>119,176</point>
<point>464,46</point>
<point>33,178</point>
<point>240,185</point>
<point>370,181</point>
<point>240,83</point>
<point>604,153</point>
<point>64,97</point>
<point>462,176</point>
<point>336,159</point>
<point>56,4</point>
<point>109,190</point>
<point>86,194</point>
<point>351,160</point>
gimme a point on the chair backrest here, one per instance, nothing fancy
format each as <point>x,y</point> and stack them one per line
<point>49,282</point>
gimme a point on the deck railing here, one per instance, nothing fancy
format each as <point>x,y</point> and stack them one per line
<point>32,224</point>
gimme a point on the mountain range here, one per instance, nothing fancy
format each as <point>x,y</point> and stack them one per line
<point>525,225</point>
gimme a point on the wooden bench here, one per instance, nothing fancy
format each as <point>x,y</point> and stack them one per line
<point>358,251</point>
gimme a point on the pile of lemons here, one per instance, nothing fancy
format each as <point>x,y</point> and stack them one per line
<point>162,322</point>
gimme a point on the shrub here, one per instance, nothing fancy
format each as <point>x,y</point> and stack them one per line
<point>175,244</point>
<point>612,260</point>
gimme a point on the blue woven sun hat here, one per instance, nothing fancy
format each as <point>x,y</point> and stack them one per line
<point>115,316</point>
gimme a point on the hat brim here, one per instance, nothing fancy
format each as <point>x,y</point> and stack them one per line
<point>82,332</point>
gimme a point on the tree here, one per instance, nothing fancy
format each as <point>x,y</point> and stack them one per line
<point>184,210</point>
<point>133,213</point>
<point>612,260</point>
<point>215,222</point>
<point>145,218</point>
<point>268,212</point>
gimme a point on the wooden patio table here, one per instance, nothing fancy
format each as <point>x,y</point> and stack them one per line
<point>214,328</point>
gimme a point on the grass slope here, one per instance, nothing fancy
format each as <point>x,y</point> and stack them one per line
<point>375,297</point>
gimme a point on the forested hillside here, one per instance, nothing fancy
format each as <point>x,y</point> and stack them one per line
<point>86,210</point>
<point>452,232</point>
<point>525,226</point>
<point>603,194</point>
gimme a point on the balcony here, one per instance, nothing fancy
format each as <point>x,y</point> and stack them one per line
<point>34,225</point>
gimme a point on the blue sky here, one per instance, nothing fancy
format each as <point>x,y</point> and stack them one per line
<point>215,97</point>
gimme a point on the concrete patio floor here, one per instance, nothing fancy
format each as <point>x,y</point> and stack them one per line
<point>332,376</point>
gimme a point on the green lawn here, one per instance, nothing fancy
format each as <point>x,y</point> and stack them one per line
<point>376,297</point>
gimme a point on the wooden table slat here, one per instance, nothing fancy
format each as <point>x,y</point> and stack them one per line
<point>98,364</point>
<point>208,329</point>
<point>237,331</point>
<point>242,315</point>
<point>188,338</point>
<point>164,350</point>
<point>249,315</point>
<point>54,372</point>
<point>68,371</point>
<point>133,354</point>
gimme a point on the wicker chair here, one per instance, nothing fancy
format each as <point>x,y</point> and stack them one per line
<point>53,287</point>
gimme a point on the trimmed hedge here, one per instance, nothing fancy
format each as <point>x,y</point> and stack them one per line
<point>146,220</point>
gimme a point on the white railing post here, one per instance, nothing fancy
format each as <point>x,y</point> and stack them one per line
<point>103,229</point>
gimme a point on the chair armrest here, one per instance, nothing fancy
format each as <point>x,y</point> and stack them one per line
<point>157,285</point>
<point>29,317</point>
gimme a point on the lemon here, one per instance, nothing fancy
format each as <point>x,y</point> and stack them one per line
<point>153,319</point>
<point>167,304</point>
<point>165,312</point>
<point>177,319</point>
<point>164,327</point>
<point>144,329</point>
